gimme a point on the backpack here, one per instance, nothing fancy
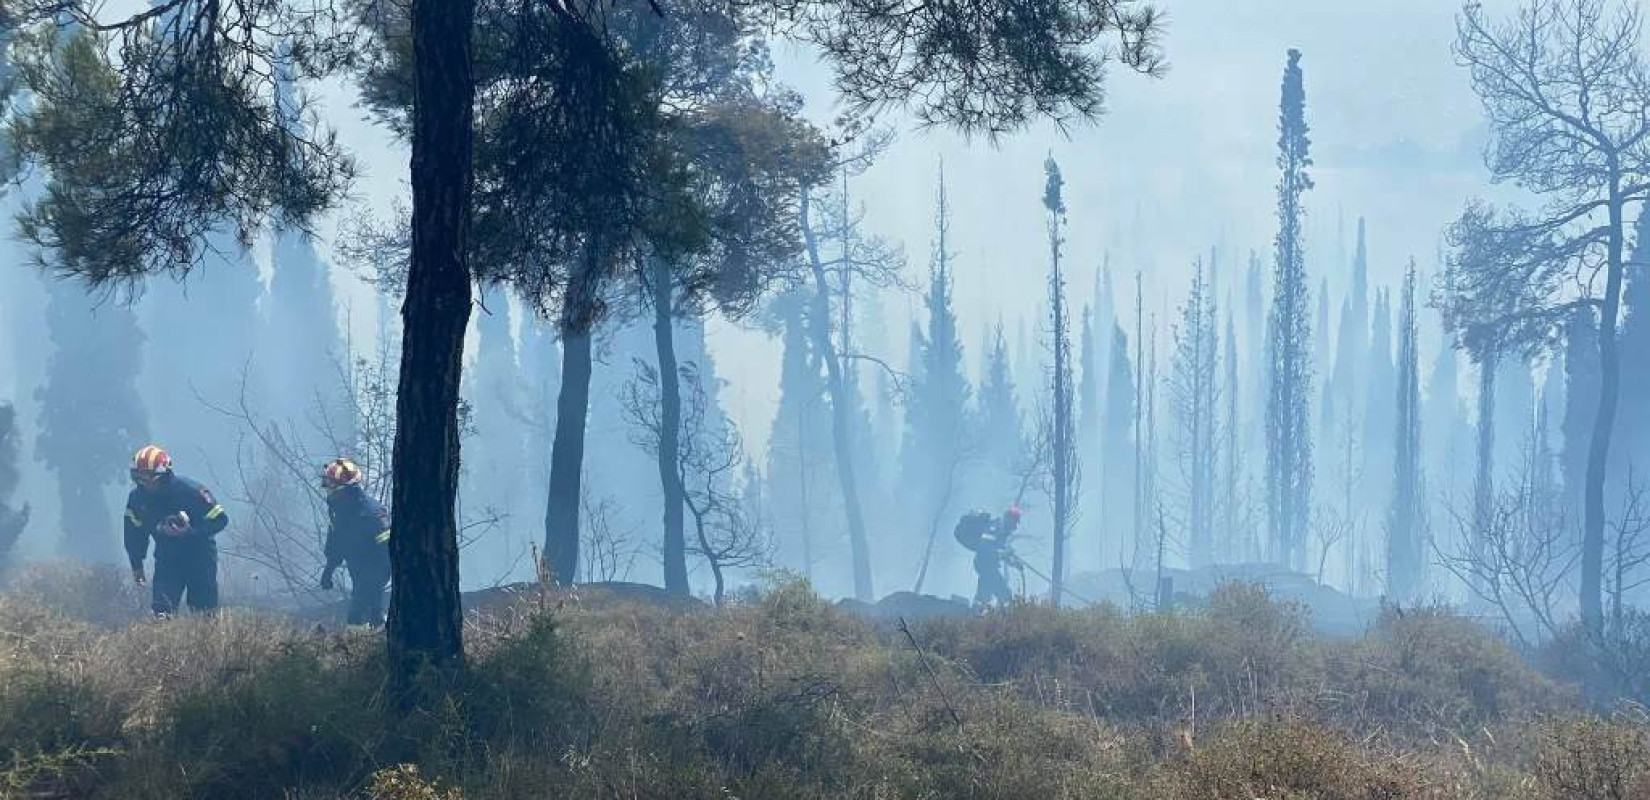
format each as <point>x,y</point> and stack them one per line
<point>971,528</point>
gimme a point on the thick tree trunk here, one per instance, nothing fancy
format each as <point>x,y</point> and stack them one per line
<point>561,513</point>
<point>670,432</point>
<point>1598,450</point>
<point>425,627</point>
<point>841,415</point>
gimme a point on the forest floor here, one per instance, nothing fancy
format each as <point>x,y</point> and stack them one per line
<point>591,695</point>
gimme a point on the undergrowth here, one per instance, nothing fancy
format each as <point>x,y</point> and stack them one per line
<point>784,696</point>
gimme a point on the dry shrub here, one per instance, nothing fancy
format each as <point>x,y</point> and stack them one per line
<point>1296,760</point>
<point>785,696</point>
<point>1586,758</point>
<point>1428,673</point>
<point>98,594</point>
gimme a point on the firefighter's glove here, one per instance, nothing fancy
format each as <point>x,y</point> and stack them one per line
<point>138,577</point>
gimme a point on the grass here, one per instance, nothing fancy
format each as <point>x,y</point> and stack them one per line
<point>785,697</point>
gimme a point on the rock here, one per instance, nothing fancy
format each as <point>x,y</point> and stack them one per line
<point>910,605</point>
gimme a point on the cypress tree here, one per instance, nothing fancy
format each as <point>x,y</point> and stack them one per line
<point>1289,443</point>
<point>1635,339</point>
<point>1582,384</point>
<point>306,360</point>
<point>91,414</point>
<point>1406,528</point>
<point>1378,414</point>
<point>1001,421</point>
<point>491,482</point>
<point>14,515</point>
<point>1117,495</point>
<point>799,448</point>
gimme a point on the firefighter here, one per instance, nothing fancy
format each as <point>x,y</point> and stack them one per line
<point>359,538</point>
<point>184,520</point>
<point>988,538</point>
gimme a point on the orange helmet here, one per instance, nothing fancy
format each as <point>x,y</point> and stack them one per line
<point>149,464</point>
<point>341,472</point>
<point>152,459</point>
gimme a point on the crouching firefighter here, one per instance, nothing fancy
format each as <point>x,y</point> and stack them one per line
<point>988,538</point>
<point>359,538</point>
<point>184,520</point>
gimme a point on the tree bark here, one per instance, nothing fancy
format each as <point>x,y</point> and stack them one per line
<point>1598,450</point>
<point>670,432</point>
<point>841,416</point>
<point>561,514</point>
<point>425,629</point>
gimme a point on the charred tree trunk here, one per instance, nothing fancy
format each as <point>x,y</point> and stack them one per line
<point>425,629</point>
<point>841,414</point>
<point>670,432</point>
<point>1598,450</point>
<point>561,515</point>
<point>580,309</point>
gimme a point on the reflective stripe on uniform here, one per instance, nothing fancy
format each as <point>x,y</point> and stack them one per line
<point>382,538</point>
<point>132,517</point>
<point>217,511</point>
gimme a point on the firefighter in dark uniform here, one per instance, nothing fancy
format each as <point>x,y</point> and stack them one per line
<point>988,538</point>
<point>184,520</point>
<point>990,557</point>
<point>359,538</point>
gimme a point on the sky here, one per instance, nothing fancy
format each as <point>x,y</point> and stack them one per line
<point>1178,164</point>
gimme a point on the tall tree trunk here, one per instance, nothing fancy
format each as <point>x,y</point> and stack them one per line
<point>1598,450</point>
<point>841,414</point>
<point>1062,424</point>
<point>561,513</point>
<point>670,431</point>
<point>425,627</point>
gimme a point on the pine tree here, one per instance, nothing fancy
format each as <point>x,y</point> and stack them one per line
<point>937,425</point>
<point>1062,435</point>
<point>1406,528</point>
<point>1289,443</point>
<point>91,414</point>
<point>1194,400</point>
